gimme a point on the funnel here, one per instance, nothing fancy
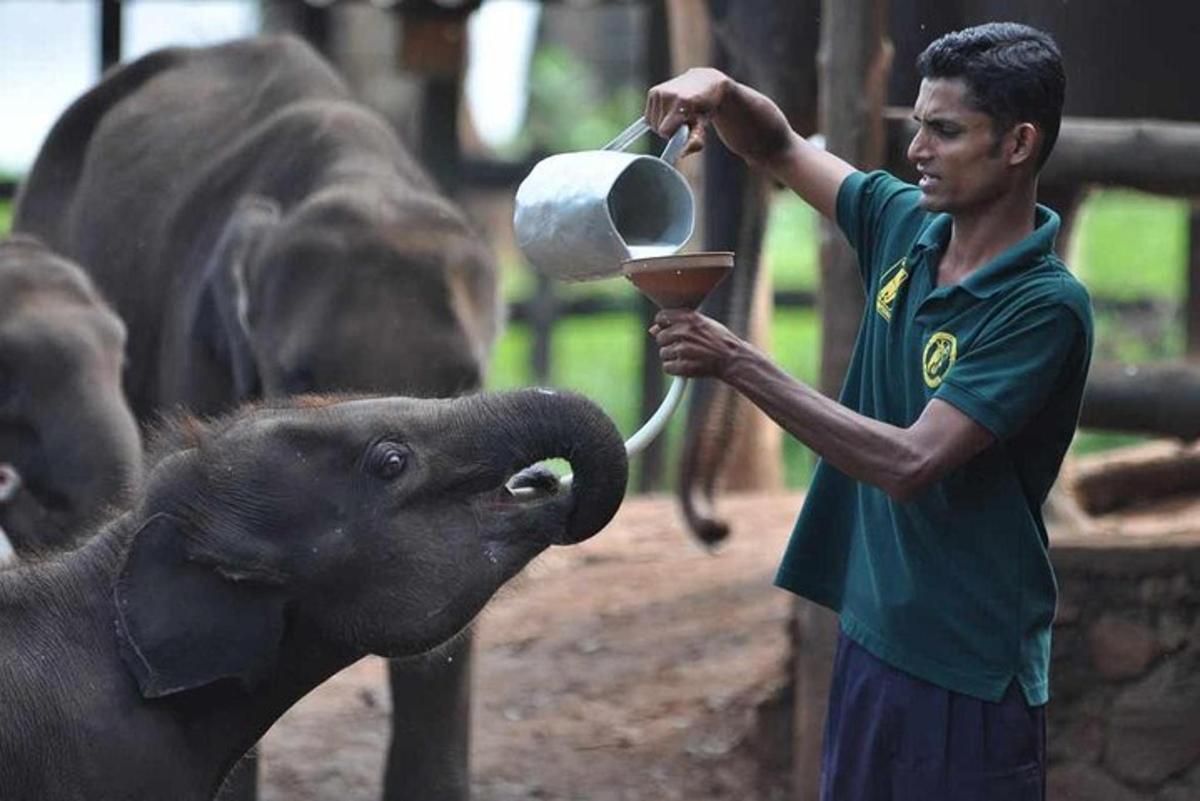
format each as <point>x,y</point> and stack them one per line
<point>679,281</point>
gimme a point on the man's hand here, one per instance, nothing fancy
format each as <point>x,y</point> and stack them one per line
<point>692,97</point>
<point>690,344</point>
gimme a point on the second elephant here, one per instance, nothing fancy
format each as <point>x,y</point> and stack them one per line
<point>263,234</point>
<point>69,446</point>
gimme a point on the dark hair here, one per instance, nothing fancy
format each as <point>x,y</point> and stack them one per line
<point>1014,73</point>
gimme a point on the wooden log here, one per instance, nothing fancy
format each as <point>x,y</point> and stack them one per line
<point>1151,155</point>
<point>1160,399</point>
<point>1136,475</point>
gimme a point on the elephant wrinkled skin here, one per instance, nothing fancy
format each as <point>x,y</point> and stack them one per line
<point>270,549</point>
<point>263,234</point>
<point>69,446</point>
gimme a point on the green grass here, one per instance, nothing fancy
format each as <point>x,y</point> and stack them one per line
<point>1132,245</point>
<point>5,217</point>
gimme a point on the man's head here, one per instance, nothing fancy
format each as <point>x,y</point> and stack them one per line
<point>999,85</point>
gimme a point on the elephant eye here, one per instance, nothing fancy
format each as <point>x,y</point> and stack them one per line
<point>387,460</point>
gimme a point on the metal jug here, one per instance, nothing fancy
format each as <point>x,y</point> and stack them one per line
<point>580,215</point>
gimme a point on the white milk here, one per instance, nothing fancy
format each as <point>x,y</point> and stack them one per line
<point>650,250</point>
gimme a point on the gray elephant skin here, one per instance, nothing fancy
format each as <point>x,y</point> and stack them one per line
<point>269,549</point>
<point>263,234</point>
<point>69,446</point>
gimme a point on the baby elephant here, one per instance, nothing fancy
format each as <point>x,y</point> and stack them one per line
<point>69,446</point>
<point>268,550</point>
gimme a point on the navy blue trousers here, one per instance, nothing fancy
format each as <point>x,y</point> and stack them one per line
<point>890,736</point>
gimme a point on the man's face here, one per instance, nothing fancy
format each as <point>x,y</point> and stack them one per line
<point>955,150</point>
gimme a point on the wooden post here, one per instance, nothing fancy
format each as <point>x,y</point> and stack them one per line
<point>110,33</point>
<point>854,61</point>
<point>1191,308</point>
<point>435,48</point>
<point>650,476</point>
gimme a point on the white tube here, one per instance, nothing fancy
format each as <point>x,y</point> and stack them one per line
<point>658,421</point>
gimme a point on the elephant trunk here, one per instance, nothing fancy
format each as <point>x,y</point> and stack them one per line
<point>96,459</point>
<point>527,426</point>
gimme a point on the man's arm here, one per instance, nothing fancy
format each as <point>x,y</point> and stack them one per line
<point>750,125</point>
<point>900,461</point>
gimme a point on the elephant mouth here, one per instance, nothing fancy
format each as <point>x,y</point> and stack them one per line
<point>529,508</point>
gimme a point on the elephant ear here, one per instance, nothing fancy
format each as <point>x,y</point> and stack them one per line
<point>184,623</point>
<point>253,220</point>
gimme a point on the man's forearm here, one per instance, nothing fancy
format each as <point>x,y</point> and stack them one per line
<point>863,448</point>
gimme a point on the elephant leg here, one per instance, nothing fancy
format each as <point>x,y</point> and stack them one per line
<point>736,207</point>
<point>431,717</point>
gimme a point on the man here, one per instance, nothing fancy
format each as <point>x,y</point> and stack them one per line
<point>922,527</point>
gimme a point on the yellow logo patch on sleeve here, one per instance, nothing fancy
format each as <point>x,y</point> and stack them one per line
<point>889,287</point>
<point>940,352</point>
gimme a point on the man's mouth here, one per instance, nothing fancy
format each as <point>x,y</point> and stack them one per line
<point>928,180</point>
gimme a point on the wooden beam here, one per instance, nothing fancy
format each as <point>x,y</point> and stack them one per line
<point>1151,155</point>
<point>1160,399</point>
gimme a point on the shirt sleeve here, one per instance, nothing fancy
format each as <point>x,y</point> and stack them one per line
<point>866,202</point>
<point>1013,367</point>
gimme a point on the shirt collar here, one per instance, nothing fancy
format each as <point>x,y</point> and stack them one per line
<point>997,273</point>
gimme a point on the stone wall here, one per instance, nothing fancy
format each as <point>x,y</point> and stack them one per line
<point>1124,718</point>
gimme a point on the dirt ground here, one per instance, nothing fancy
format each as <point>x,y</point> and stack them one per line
<point>625,668</point>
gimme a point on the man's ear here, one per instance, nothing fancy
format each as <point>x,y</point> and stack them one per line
<point>185,622</point>
<point>1025,140</point>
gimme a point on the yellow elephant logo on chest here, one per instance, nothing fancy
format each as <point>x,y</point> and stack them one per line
<point>940,353</point>
<point>889,287</point>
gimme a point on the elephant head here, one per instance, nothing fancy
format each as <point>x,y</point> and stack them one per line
<point>69,446</point>
<point>352,290</point>
<point>374,525</point>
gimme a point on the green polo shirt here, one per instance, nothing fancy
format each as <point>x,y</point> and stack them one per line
<point>955,585</point>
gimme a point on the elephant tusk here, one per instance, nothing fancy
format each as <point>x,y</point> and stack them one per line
<point>10,482</point>
<point>8,556</point>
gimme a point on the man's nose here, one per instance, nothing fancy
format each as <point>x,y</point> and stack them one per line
<point>918,148</point>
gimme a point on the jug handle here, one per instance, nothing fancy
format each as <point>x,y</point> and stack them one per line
<point>675,145</point>
<point>670,153</point>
